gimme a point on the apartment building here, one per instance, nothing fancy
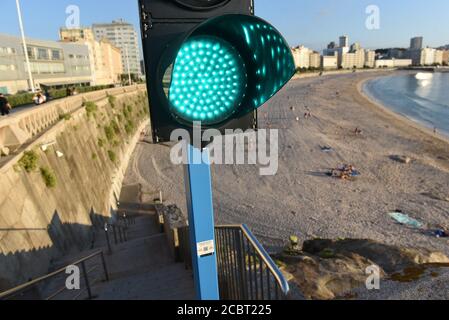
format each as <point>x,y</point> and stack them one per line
<point>123,36</point>
<point>105,58</point>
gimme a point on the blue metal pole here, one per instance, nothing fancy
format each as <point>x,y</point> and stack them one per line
<point>198,186</point>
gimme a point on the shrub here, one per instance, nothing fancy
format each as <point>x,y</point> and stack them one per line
<point>29,161</point>
<point>20,99</point>
<point>49,177</point>
<point>112,156</point>
<point>94,156</point>
<point>109,131</point>
<point>126,113</point>
<point>100,142</point>
<point>115,127</point>
<point>91,108</point>
<point>112,101</point>
<point>129,127</point>
<point>65,116</point>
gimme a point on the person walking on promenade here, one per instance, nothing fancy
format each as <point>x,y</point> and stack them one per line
<point>4,105</point>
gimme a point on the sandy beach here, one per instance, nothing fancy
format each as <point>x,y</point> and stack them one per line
<point>301,199</point>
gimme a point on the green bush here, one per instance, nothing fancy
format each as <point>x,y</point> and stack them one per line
<point>109,131</point>
<point>29,161</point>
<point>100,142</point>
<point>49,177</point>
<point>126,113</point>
<point>27,98</point>
<point>115,127</point>
<point>112,156</point>
<point>65,116</point>
<point>20,99</point>
<point>112,101</point>
<point>129,127</point>
<point>91,108</point>
<point>94,156</point>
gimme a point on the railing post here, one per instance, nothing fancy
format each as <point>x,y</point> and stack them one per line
<point>107,238</point>
<point>241,264</point>
<point>104,267</point>
<point>86,279</point>
<point>115,233</point>
<point>120,233</point>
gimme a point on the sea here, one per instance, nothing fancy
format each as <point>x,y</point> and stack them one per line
<point>420,97</point>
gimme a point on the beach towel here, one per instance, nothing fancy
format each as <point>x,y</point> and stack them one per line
<point>405,219</point>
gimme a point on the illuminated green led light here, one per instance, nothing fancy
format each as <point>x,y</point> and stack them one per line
<point>209,67</point>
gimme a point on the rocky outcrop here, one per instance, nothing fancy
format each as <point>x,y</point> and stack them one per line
<point>328,269</point>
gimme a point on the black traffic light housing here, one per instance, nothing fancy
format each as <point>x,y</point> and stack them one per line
<point>164,25</point>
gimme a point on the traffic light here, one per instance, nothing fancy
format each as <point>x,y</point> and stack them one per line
<point>210,61</point>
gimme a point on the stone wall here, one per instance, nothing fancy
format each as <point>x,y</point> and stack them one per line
<point>74,176</point>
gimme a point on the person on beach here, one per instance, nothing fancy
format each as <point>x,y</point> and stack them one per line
<point>5,107</point>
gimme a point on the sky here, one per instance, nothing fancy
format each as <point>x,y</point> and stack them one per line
<point>313,23</point>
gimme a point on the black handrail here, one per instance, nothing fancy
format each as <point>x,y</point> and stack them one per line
<point>14,292</point>
<point>245,270</point>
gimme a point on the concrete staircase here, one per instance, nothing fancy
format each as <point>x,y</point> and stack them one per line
<point>142,268</point>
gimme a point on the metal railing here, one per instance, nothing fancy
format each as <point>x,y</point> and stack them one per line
<point>31,290</point>
<point>245,269</point>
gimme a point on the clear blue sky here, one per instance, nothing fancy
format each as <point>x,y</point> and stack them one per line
<point>310,22</point>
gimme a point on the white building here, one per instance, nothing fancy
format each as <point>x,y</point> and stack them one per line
<point>53,64</point>
<point>123,36</point>
<point>329,62</point>
<point>301,55</point>
<point>354,59</point>
<point>339,52</point>
<point>370,58</point>
<point>393,63</point>
<point>315,60</point>
<point>426,56</point>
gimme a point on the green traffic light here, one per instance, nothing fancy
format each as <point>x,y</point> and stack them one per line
<point>226,68</point>
<point>208,80</point>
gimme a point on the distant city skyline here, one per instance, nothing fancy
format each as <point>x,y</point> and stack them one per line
<point>311,23</point>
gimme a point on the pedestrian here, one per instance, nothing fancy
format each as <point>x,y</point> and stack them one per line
<point>47,95</point>
<point>39,98</point>
<point>5,107</point>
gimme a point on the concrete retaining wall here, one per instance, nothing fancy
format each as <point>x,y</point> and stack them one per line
<point>39,224</point>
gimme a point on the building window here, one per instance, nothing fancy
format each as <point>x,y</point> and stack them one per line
<point>42,54</point>
<point>56,55</point>
<point>31,54</point>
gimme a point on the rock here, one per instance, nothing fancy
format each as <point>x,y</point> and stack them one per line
<point>4,151</point>
<point>401,159</point>
<point>388,257</point>
<point>326,279</point>
<point>328,269</point>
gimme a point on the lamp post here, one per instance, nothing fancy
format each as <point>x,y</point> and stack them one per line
<point>25,48</point>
